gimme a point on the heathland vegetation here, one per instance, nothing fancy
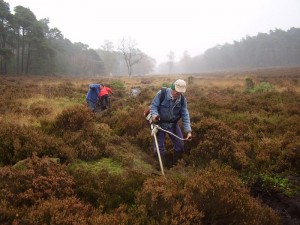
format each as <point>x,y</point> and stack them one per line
<point>62,164</point>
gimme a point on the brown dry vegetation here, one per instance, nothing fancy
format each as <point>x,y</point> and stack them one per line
<point>62,164</point>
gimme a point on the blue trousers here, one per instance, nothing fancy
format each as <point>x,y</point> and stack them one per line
<point>92,105</point>
<point>177,143</point>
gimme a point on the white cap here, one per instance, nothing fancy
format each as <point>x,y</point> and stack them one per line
<point>180,86</point>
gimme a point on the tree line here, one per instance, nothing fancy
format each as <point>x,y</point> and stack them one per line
<point>278,48</point>
<point>30,46</point>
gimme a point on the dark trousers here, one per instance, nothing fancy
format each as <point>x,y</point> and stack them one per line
<point>178,144</point>
<point>104,102</point>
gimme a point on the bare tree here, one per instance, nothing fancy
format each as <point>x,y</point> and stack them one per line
<point>131,54</point>
<point>171,57</point>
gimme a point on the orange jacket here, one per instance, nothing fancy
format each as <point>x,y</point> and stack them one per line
<point>104,91</point>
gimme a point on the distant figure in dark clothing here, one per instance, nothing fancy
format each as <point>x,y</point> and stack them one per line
<point>92,96</point>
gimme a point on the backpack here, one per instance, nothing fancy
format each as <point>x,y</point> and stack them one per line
<point>162,97</point>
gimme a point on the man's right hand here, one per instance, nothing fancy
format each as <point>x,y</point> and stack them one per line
<point>188,136</point>
<point>155,118</point>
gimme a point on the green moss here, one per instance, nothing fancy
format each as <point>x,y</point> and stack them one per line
<point>263,87</point>
<point>279,184</point>
<point>272,183</point>
<point>96,166</point>
<point>142,165</point>
<point>117,85</point>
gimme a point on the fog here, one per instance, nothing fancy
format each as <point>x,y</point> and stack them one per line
<point>161,26</point>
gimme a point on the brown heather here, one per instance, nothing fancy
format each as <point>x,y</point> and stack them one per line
<point>62,164</point>
<point>220,195</point>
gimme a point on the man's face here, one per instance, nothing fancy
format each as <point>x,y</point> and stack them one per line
<point>175,94</point>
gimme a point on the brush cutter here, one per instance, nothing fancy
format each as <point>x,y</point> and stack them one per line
<point>154,130</point>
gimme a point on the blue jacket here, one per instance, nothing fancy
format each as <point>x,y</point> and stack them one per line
<point>92,95</point>
<point>170,112</point>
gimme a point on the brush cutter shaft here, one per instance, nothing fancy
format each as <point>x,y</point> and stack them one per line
<point>159,157</point>
<point>154,130</point>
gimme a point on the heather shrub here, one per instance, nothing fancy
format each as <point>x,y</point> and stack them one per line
<point>264,103</point>
<point>267,103</point>
<point>69,210</point>
<point>243,155</point>
<point>77,127</point>
<point>162,201</point>
<point>75,118</point>
<point>19,142</point>
<point>15,143</point>
<point>35,181</point>
<point>128,121</point>
<point>63,89</point>
<point>89,186</point>
<point>268,153</point>
<point>220,195</point>
<point>242,103</point>
<point>293,108</point>
<point>119,216</point>
<point>8,212</point>
<point>290,157</point>
<point>144,139</point>
<point>106,189</point>
<point>39,179</point>
<point>279,154</point>
<point>289,124</point>
<point>219,99</point>
<point>146,95</point>
<point>39,109</point>
<point>213,141</point>
<point>56,147</point>
<point>87,151</point>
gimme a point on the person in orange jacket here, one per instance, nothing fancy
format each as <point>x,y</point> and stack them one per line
<point>104,97</point>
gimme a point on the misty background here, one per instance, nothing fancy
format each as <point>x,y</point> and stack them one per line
<point>32,46</point>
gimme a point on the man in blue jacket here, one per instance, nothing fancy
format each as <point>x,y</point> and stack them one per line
<point>92,96</point>
<point>167,112</point>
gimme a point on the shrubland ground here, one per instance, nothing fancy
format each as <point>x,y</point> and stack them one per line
<point>62,164</point>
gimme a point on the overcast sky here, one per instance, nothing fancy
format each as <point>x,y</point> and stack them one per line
<point>161,26</point>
